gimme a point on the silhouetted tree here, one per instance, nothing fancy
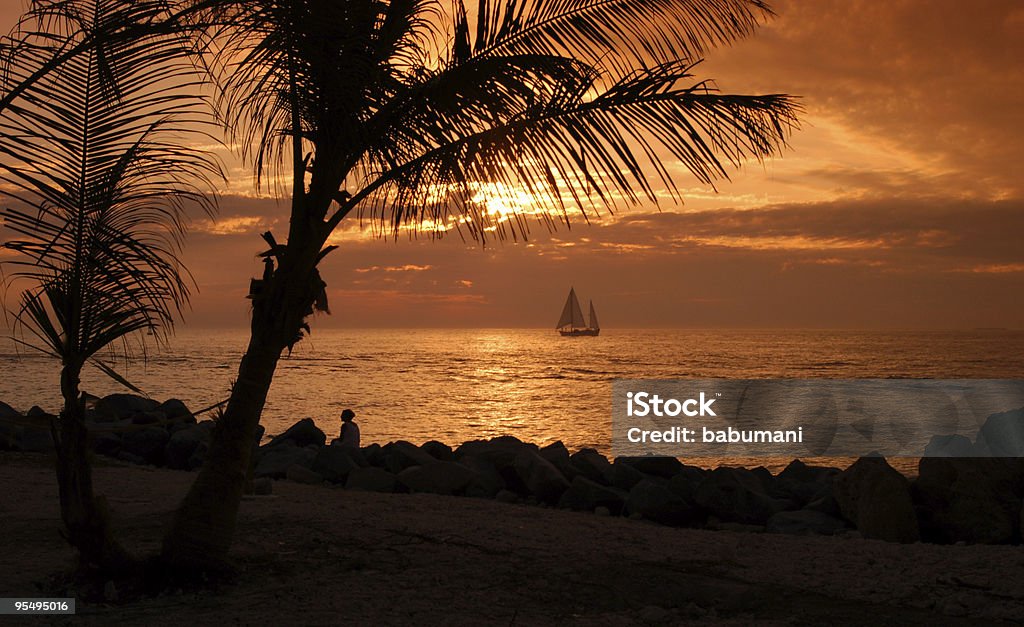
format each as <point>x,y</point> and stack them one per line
<point>98,103</point>
<point>410,112</point>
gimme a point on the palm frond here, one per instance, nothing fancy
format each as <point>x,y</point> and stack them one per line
<point>95,162</point>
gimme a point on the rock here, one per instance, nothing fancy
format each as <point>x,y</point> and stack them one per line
<point>803,483</point>
<point>274,462</point>
<point>9,430</point>
<point>401,455</point>
<point>949,446</point>
<point>39,412</point>
<point>131,458</point>
<point>177,411</point>
<point>300,474</point>
<point>487,481</point>
<point>594,466</point>
<point>35,440</point>
<point>302,433</point>
<point>875,498</point>
<point>506,496</point>
<point>1004,433</point>
<point>106,443</point>
<point>585,495</point>
<point>154,417</point>
<point>737,495</point>
<point>685,482</point>
<point>804,522</point>
<point>334,463</point>
<point>602,511</point>
<point>438,450</point>
<point>664,467</point>
<point>624,476</point>
<point>183,444</point>
<point>437,478</point>
<point>500,451</point>
<point>146,442</point>
<point>121,406</point>
<point>653,500</point>
<point>974,500</point>
<point>371,479</point>
<point>198,457</point>
<point>558,456</point>
<point>373,454</point>
<point>540,476</point>
<point>262,486</point>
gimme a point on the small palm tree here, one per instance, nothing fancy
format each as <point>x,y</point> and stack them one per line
<point>98,181</point>
<point>414,114</point>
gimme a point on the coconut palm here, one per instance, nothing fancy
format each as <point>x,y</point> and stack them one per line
<point>418,115</point>
<point>97,182</point>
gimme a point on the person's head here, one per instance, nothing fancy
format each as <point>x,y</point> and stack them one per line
<point>347,415</point>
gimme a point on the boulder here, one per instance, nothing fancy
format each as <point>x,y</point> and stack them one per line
<point>623,476</point>
<point>437,478</point>
<point>401,455</point>
<point>371,479</point>
<point>737,495</point>
<point>106,443</point>
<point>507,496</point>
<point>39,412</point>
<point>334,463</point>
<point>586,495</point>
<point>949,446</point>
<point>302,433</point>
<point>373,454</point>
<point>153,417</point>
<point>176,410</point>
<point>664,467</point>
<point>147,443</point>
<point>274,462</point>
<point>875,498</point>
<point>975,500</point>
<point>301,474</point>
<point>438,450</point>
<point>500,451</point>
<point>558,456</point>
<point>122,406</point>
<point>685,482</point>
<point>6,411</point>
<point>804,522</point>
<point>35,440</point>
<point>183,444</point>
<point>1004,433</point>
<point>539,476</point>
<point>487,481</point>
<point>653,500</point>
<point>803,483</point>
<point>593,465</point>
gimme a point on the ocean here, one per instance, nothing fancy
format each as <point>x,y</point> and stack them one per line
<point>458,385</point>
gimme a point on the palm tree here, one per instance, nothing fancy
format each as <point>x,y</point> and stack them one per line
<point>413,114</point>
<point>93,164</point>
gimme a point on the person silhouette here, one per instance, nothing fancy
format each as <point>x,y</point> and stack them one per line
<point>349,436</point>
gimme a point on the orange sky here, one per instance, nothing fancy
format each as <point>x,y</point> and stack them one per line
<point>900,203</point>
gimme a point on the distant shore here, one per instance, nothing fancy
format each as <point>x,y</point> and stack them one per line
<point>322,556</point>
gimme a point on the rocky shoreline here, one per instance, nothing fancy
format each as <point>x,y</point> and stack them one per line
<point>970,500</point>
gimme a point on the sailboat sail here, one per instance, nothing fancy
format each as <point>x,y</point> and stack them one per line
<point>593,317</point>
<point>572,315</point>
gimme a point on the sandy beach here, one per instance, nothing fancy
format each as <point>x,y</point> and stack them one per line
<point>320,555</point>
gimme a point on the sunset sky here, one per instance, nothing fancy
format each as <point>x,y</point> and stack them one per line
<point>899,204</point>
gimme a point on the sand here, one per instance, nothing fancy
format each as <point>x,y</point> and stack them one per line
<point>320,555</point>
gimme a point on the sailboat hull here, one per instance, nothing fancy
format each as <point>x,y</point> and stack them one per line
<point>580,333</point>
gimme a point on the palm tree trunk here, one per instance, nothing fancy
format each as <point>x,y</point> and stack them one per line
<point>204,525</point>
<point>85,516</point>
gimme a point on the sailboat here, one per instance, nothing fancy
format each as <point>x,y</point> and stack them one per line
<point>571,323</point>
